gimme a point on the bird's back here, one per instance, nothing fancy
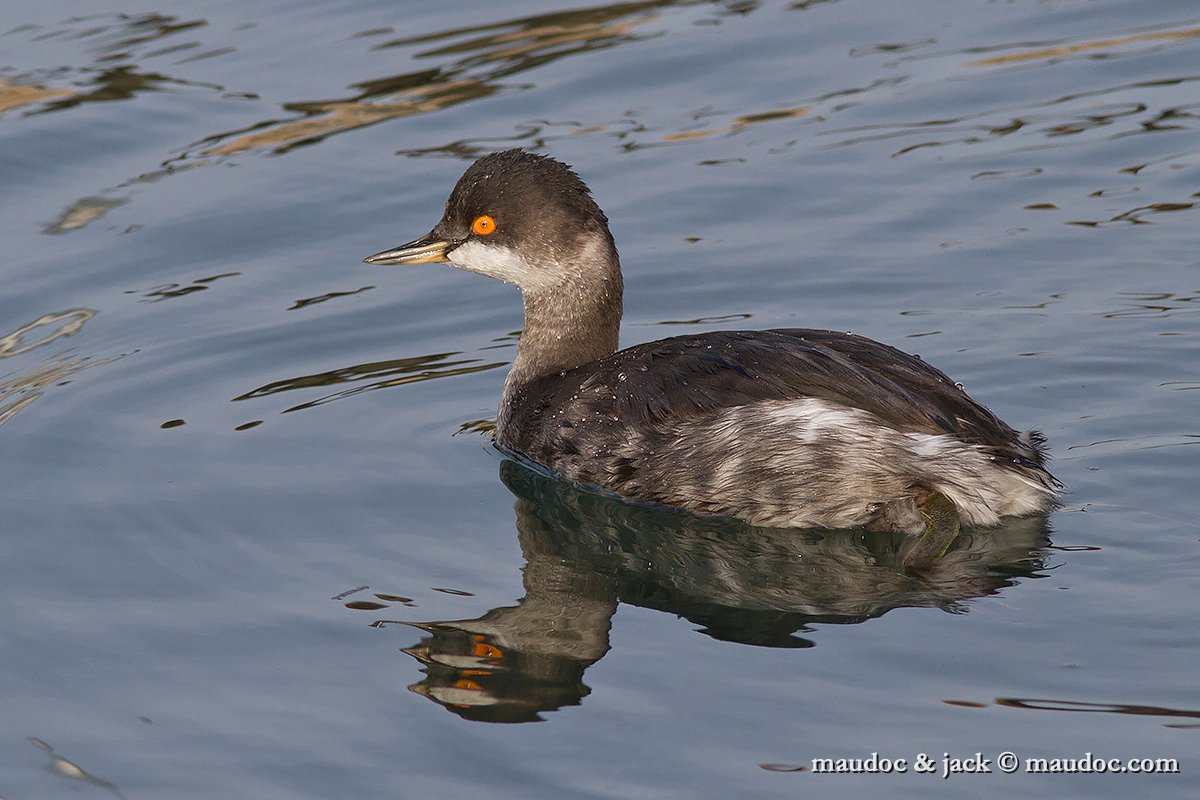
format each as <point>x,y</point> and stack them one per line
<point>718,420</point>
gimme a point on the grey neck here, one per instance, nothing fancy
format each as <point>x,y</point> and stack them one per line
<point>565,327</point>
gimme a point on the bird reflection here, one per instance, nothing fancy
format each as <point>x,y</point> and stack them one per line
<point>69,769</point>
<point>587,552</point>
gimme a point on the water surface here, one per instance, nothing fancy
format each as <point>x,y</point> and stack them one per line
<point>256,544</point>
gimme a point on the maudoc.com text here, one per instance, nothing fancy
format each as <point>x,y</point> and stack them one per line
<point>946,765</point>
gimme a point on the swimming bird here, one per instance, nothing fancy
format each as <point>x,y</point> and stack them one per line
<point>792,428</point>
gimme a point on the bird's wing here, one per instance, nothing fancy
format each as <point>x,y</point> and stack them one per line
<point>690,376</point>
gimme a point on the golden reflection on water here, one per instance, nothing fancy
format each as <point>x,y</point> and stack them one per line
<point>19,390</point>
<point>585,553</point>
<point>1060,51</point>
<point>479,65</point>
<point>1135,216</point>
<point>739,122</point>
<point>18,342</point>
<point>475,62</point>
<point>83,212</point>
<point>478,62</point>
<point>1058,118</point>
<point>18,95</point>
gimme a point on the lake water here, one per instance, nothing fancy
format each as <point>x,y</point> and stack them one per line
<point>254,542</point>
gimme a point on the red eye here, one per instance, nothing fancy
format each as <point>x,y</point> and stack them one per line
<point>484,225</point>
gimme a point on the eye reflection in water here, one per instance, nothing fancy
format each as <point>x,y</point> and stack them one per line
<point>587,552</point>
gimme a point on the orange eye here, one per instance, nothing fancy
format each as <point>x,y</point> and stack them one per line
<point>484,225</point>
<point>485,650</point>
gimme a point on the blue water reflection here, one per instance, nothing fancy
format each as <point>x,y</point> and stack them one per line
<point>214,419</point>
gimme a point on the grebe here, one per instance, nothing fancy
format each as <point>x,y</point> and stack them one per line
<point>791,428</point>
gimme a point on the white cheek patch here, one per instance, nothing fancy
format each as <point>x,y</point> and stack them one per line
<point>500,262</point>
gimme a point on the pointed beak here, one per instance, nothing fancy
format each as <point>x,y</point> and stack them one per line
<point>422,251</point>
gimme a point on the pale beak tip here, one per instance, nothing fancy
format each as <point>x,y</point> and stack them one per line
<point>422,251</point>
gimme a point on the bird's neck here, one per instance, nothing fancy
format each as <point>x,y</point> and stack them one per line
<point>568,323</point>
<point>566,327</point>
<point>571,323</point>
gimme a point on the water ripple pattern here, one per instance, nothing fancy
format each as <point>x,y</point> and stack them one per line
<point>266,548</point>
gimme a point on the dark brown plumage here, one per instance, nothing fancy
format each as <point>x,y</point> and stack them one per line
<point>690,376</point>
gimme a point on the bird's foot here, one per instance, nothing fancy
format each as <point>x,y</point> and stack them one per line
<point>941,528</point>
